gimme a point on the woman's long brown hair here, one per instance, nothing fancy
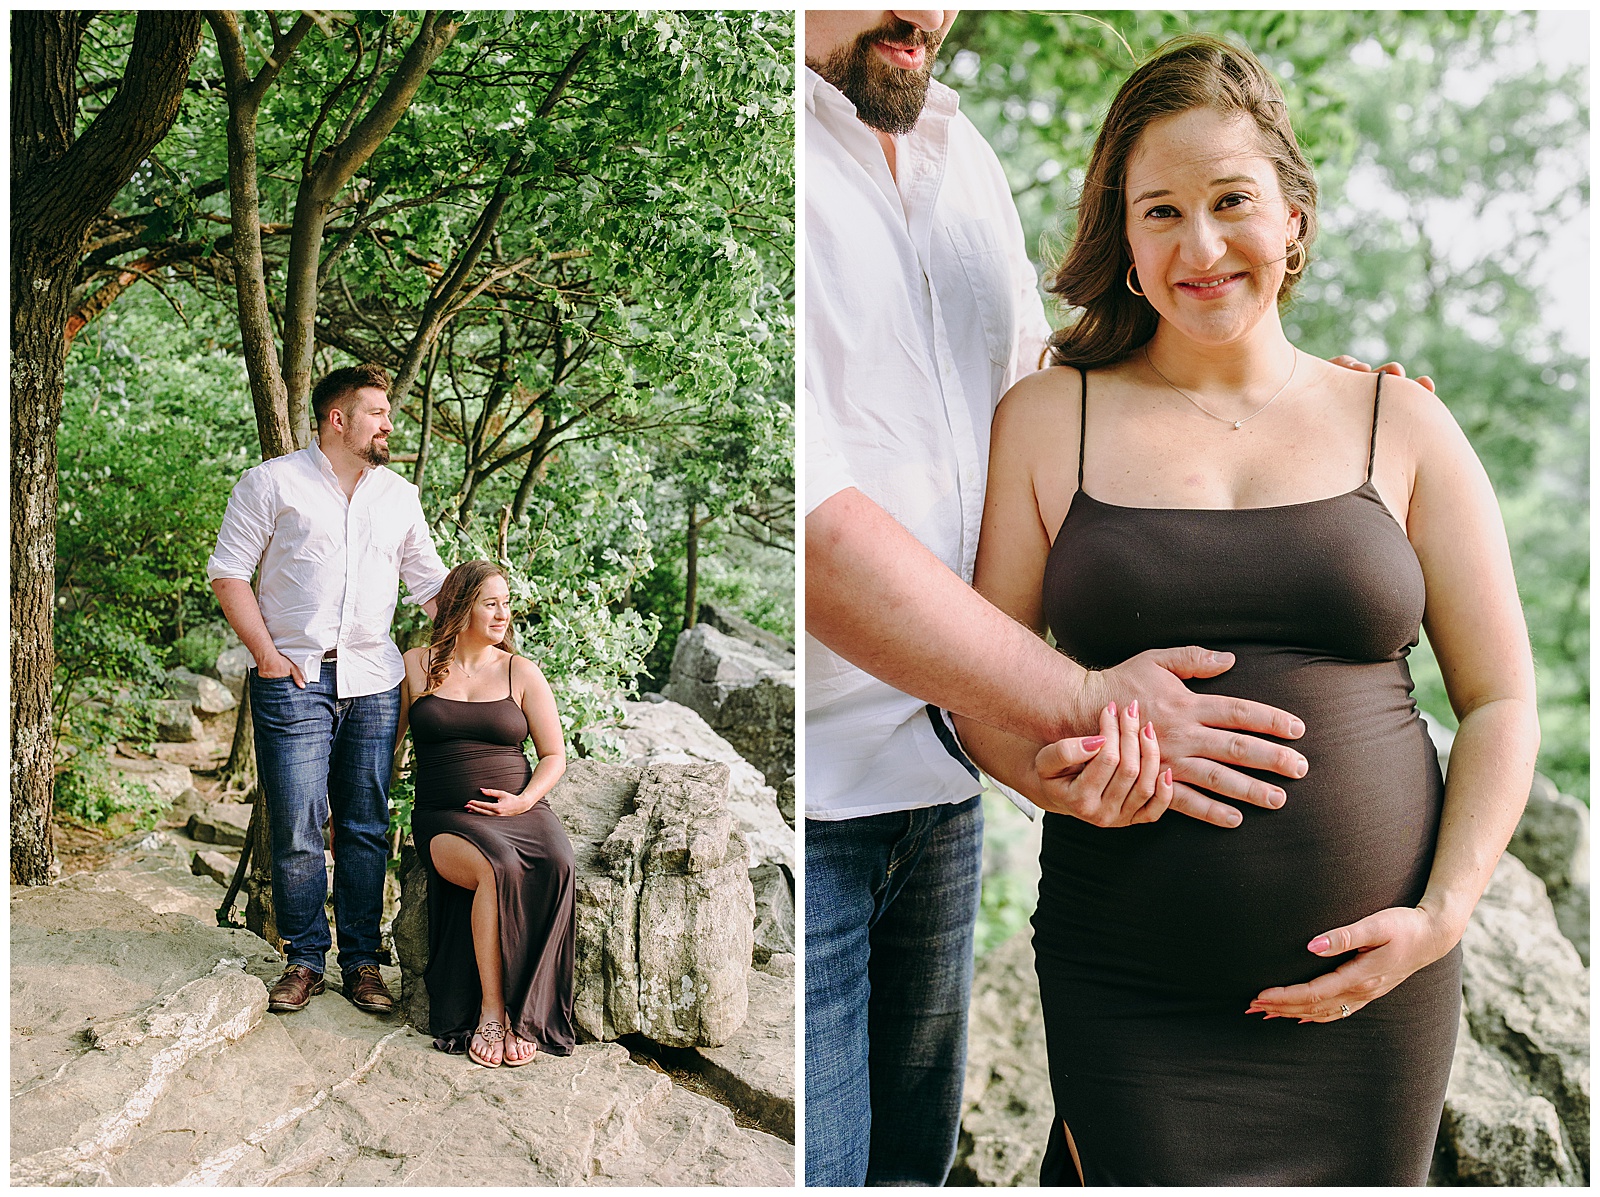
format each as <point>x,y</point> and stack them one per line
<point>455,602</point>
<point>1188,72</point>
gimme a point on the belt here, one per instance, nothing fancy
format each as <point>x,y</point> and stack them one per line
<point>331,655</point>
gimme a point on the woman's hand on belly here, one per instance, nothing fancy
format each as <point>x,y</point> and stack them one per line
<point>1389,947</point>
<point>503,804</point>
<point>1110,780</point>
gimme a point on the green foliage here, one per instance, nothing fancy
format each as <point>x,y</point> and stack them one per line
<point>198,648</point>
<point>89,791</point>
<point>631,323</point>
<point>92,713</point>
<point>1453,173</point>
<point>153,435</point>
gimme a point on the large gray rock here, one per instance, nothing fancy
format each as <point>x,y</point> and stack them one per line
<point>222,823</point>
<point>1552,839</point>
<point>140,1056</point>
<point>731,624</point>
<point>774,928</point>
<point>206,695</point>
<point>745,693</point>
<point>232,663</point>
<point>667,733</point>
<point>1495,1130</point>
<point>665,909</point>
<point>166,780</point>
<point>1527,996</point>
<point>1006,1102</point>
<point>754,1069</point>
<point>176,722</point>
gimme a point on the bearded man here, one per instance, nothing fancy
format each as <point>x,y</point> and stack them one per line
<point>331,531</point>
<point>921,310</point>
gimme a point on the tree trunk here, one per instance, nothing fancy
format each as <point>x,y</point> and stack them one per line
<point>319,187</point>
<point>239,774</point>
<point>249,271</point>
<point>59,185</point>
<point>691,569</point>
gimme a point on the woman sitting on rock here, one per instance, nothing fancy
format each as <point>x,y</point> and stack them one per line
<point>500,881</point>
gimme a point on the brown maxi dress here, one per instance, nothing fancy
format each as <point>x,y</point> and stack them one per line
<point>1151,940</point>
<point>462,746</point>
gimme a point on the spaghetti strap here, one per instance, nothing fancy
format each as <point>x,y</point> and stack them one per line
<point>1372,451</point>
<point>1083,420</point>
<point>510,662</point>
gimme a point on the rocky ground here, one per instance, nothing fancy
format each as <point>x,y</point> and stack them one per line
<point>142,1052</point>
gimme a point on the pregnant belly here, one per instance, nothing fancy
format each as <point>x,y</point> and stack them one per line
<point>452,774</point>
<point>1215,913</point>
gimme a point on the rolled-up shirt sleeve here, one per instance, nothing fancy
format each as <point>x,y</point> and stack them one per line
<point>827,470</point>
<point>420,566</point>
<point>247,527</point>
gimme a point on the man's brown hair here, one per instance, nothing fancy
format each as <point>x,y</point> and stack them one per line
<point>344,382</point>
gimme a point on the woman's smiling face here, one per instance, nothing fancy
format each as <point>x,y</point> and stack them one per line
<point>1207,225</point>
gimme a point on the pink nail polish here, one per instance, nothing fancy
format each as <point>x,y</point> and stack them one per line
<point>1090,743</point>
<point>1166,778</point>
<point>1319,945</point>
<point>1133,709</point>
<point>1149,731</point>
<point>1111,709</point>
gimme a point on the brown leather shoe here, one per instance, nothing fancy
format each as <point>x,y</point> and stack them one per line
<point>366,990</point>
<point>294,989</point>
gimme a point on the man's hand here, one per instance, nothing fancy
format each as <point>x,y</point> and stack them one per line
<point>1395,368</point>
<point>276,665</point>
<point>1201,734</point>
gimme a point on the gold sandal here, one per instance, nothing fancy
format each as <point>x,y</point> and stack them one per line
<point>528,1059</point>
<point>490,1032</point>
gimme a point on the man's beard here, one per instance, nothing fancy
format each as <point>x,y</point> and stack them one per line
<point>886,98</point>
<point>371,452</point>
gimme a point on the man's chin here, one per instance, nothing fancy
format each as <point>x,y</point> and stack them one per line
<point>377,456</point>
<point>887,98</point>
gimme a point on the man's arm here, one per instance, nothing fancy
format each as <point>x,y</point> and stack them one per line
<point>243,614</point>
<point>877,597</point>
<point>419,564</point>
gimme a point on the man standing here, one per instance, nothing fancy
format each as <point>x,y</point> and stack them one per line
<point>331,530</point>
<point>921,310</point>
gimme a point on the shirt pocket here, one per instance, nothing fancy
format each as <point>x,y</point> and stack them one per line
<point>977,245</point>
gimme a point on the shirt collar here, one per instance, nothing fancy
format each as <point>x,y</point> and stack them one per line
<point>325,467</point>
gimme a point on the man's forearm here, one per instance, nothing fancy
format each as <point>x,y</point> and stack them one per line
<point>876,596</point>
<point>243,614</point>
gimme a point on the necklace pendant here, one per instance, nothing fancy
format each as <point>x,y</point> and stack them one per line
<point>1238,424</point>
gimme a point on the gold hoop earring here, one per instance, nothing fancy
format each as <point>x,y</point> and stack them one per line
<point>1293,246</point>
<point>1129,281</point>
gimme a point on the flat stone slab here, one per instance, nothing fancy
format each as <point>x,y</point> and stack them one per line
<point>141,1054</point>
<point>755,1068</point>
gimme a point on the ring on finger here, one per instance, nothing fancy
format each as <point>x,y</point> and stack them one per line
<point>1344,1010</point>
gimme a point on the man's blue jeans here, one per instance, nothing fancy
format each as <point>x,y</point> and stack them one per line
<point>316,752</point>
<point>891,901</point>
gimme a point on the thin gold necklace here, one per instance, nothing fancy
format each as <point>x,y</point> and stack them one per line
<point>1237,424</point>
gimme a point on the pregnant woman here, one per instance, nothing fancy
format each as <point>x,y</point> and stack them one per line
<point>500,884</point>
<point>1274,1002</point>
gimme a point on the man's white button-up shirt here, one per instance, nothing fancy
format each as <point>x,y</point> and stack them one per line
<point>921,310</point>
<point>329,567</point>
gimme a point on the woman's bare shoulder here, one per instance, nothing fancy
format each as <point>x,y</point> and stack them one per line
<point>1039,405</point>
